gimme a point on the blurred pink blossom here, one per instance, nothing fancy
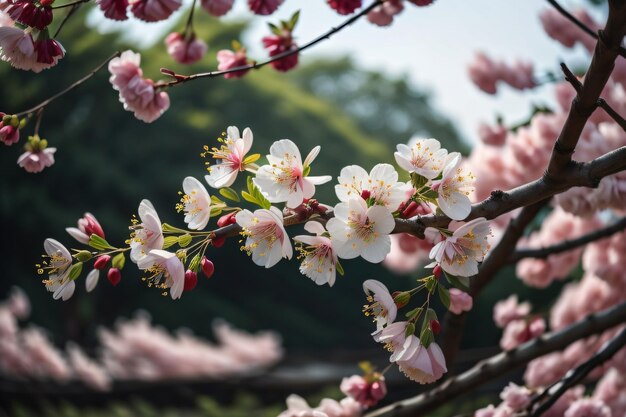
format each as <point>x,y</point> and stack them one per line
<point>217,7</point>
<point>506,311</point>
<point>114,9</point>
<point>517,332</point>
<point>185,50</point>
<point>587,407</point>
<point>228,59</point>
<point>87,370</point>
<point>264,7</point>
<point>154,10</point>
<point>559,28</point>
<point>366,392</point>
<point>492,135</point>
<point>515,397</point>
<point>459,301</point>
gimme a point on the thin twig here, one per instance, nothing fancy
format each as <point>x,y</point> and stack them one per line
<point>573,80</point>
<point>503,363</point>
<point>542,253</point>
<point>70,87</point>
<point>180,79</point>
<point>581,25</point>
<point>61,6</point>
<point>38,121</point>
<point>576,375</point>
<point>69,14</point>
<point>189,24</point>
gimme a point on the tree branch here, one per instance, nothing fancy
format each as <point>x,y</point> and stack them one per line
<point>181,79</point>
<point>503,363</point>
<point>576,375</point>
<point>542,253</point>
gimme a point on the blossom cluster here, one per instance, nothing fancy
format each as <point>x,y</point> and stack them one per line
<point>134,350</point>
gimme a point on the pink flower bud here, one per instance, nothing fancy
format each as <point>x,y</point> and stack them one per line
<point>101,262</point>
<point>435,326</point>
<point>277,45</point>
<point>437,271</point>
<point>345,6</point>
<point>191,279</point>
<point>410,210</point>
<point>90,226</point>
<point>217,7</point>
<point>207,267</point>
<point>185,50</point>
<point>114,276</point>
<point>264,7</point>
<point>227,219</point>
<point>228,59</point>
<point>366,391</point>
<point>9,134</point>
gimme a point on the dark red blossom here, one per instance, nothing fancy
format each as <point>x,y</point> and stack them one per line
<point>49,51</point>
<point>345,6</point>
<point>264,7</point>
<point>29,13</point>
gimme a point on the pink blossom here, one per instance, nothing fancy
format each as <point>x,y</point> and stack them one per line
<point>517,332</point>
<point>87,226</point>
<point>508,310</point>
<point>605,259</point>
<point>345,6</point>
<point>420,364</point>
<point>383,15</point>
<point>298,407</point>
<point>366,391</point>
<point>459,301</point>
<point>154,10</point>
<point>278,44</point>
<point>9,134</point>
<point>407,253</point>
<point>36,161</point>
<point>492,135</point>
<point>87,370</point>
<point>185,50</point>
<point>46,361</point>
<point>516,397</point>
<point>18,49</point>
<point>228,59</point>
<point>559,28</point>
<point>136,93</point>
<point>588,407</point>
<point>29,13</point>
<point>485,73</point>
<point>611,390</point>
<point>217,7</point>
<point>563,403</point>
<point>114,9</point>
<point>18,303</point>
<point>49,51</point>
<point>264,7</point>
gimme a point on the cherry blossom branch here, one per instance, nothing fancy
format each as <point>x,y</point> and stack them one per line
<point>571,78</point>
<point>69,14</point>
<point>455,323</point>
<point>70,87</point>
<point>542,253</point>
<point>576,375</point>
<point>581,25</point>
<point>180,78</point>
<point>503,363</point>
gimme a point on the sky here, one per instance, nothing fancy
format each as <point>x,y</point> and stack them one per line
<point>431,46</point>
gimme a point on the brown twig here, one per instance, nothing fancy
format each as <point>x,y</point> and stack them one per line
<point>503,363</point>
<point>69,14</point>
<point>70,87</point>
<point>566,245</point>
<point>576,375</point>
<point>180,78</point>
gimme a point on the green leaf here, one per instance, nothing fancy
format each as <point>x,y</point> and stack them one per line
<point>409,330</point>
<point>236,45</point>
<point>215,200</point>
<point>230,194</point>
<point>250,159</point>
<point>418,181</point>
<point>83,255</point>
<point>444,295</point>
<point>169,241</point>
<point>249,198</point>
<point>275,29</point>
<point>306,171</point>
<point>195,262</point>
<point>99,243</point>
<point>294,20</point>
<point>414,314</point>
<point>462,283</point>
<point>184,240</point>
<point>426,337</point>
<point>75,270</point>
<point>118,261</point>
<point>215,211</point>
<point>431,194</point>
<point>339,268</point>
<point>256,196</point>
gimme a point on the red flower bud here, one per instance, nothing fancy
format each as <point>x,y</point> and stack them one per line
<point>410,210</point>
<point>435,326</point>
<point>101,262</point>
<point>114,276</point>
<point>437,271</point>
<point>365,194</point>
<point>218,242</point>
<point>277,45</point>
<point>207,267</point>
<point>191,279</point>
<point>227,219</point>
